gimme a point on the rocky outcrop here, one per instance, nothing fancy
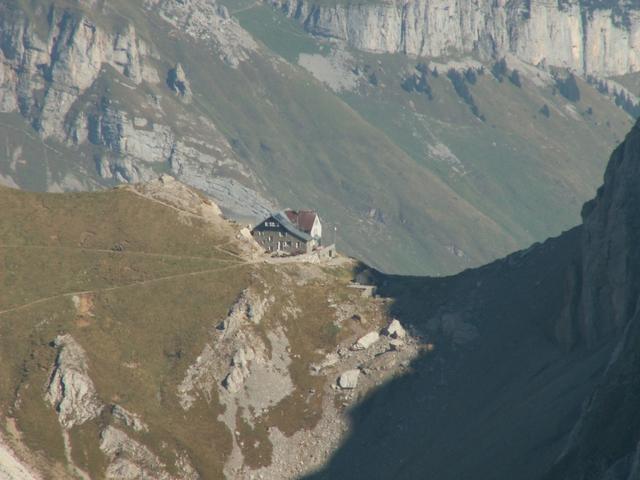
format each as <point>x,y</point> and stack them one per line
<point>200,378</point>
<point>70,389</point>
<point>208,22</point>
<point>178,82</point>
<point>128,459</point>
<point>128,419</point>
<point>349,380</point>
<point>239,369</point>
<point>603,288</point>
<point>93,86</point>
<point>366,341</point>
<point>395,330</point>
<point>572,34</point>
<point>72,393</point>
<point>604,443</point>
<point>249,307</point>
<point>168,191</point>
<point>228,362</point>
<point>43,75</point>
<point>612,230</point>
<point>133,149</point>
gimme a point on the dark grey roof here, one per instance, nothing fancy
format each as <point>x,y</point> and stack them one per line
<point>283,220</point>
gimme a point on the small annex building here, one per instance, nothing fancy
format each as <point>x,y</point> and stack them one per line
<point>290,232</point>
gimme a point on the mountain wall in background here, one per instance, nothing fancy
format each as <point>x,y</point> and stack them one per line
<point>589,37</point>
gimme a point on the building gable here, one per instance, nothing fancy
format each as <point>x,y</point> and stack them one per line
<point>316,229</point>
<point>279,221</point>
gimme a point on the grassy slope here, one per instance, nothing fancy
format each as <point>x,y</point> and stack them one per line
<point>56,245</point>
<point>519,165</point>
<point>146,313</point>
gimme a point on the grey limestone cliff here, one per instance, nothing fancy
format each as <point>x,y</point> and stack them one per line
<point>98,86</point>
<point>589,37</point>
<point>603,286</point>
<point>604,443</point>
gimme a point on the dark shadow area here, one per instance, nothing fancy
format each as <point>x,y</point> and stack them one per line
<point>497,396</point>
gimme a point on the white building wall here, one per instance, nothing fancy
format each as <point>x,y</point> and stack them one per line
<point>316,230</point>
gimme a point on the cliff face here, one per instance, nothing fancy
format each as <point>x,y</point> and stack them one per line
<point>612,232</point>
<point>44,74</point>
<point>46,70</point>
<point>572,34</point>
<point>95,85</point>
<point>604,443</point>
<point>603,286</point>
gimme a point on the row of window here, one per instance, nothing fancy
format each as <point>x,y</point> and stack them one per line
<point>283,244</point>
<point>262,234</point>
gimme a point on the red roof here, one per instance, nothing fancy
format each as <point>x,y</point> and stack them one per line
<point>303,219</point>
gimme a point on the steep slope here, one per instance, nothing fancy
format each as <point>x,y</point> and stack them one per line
<point>524,381</point>
<point>604,442</point>
<point>416,156</point>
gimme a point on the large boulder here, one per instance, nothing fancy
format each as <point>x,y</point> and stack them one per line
<point>70,390</point>
<point>366,341</point>
<point>178,82</point>
<point>395,330</point>
<point>349,380</point>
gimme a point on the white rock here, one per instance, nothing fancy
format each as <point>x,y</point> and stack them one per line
<point>590,41</point>
<point>234,379</point>
<point>128,459</point>
<point>366,341</point>
<point>396,344</point>
<point>128,418</point>
<point>246,233</point>
<point>179,83</point>
<point>70,390</point>
<point>349,379</point>
<point>242,357</point>
<point>248,307</point>
<point>396,330</point>
<point>140,122</point>
<point>328,361</point>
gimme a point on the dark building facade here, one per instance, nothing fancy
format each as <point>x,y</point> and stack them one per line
<point>284,232</point>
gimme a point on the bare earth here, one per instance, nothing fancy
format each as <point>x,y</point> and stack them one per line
<point>10,467</point>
